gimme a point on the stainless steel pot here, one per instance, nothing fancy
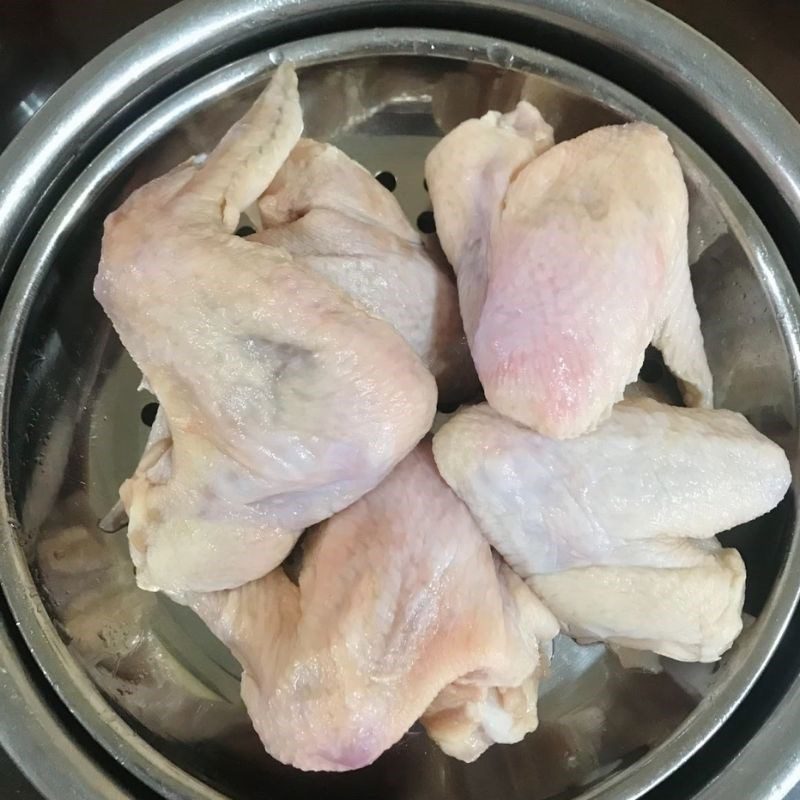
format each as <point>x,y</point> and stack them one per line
<point>405,86</point>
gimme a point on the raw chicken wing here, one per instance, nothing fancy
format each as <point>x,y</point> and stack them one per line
<point>328,211</point>
<point>614,530</point>
<point>570,259</point>
<point>401,606</point>
<point>284,401</point>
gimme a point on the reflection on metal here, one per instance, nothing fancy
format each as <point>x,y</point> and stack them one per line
<point>31,104</point>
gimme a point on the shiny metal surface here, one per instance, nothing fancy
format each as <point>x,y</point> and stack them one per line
<point>401,89</point>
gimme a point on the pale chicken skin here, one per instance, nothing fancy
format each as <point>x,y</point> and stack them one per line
<point>400,607</point>
<point>614,530</point>
<point>571,259</point>
<point>327,210</point>
<point>284,401</point>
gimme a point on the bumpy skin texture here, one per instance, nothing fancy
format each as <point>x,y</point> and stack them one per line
<point>614,530</point>
<point>284,401</point>
<point>570,260</point>
<point>329,211</point>
<point>400,604</point>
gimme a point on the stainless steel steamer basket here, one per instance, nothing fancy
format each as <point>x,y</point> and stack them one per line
<point>380,112</point>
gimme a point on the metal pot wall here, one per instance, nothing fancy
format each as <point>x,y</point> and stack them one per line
<point>46,174</point>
